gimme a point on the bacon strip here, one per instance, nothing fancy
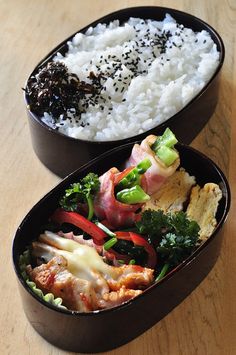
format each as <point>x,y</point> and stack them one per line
<point>106,206</point>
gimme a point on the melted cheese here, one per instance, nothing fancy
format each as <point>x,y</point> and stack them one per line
<point>82,259</point>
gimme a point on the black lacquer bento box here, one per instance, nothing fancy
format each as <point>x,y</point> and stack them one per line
<point>63,154</point>
<point>107,329</point>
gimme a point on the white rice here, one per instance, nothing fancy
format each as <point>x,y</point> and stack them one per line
<point>135,99</point>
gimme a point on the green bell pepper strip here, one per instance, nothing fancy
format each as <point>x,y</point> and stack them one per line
<point>109,244</point>
<point>133,177</point>
<point>132,196</point>
<point>132,262</point>
<point>163,147</point>
<point>167,155</point>
<point>168,139</point>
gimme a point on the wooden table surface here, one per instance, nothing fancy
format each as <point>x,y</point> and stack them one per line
<point>205,323</point>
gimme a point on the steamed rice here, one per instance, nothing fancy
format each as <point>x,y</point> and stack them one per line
<point>151,70</point>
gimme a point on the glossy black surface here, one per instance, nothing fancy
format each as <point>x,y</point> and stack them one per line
<point>107,329</point>
<point>63,154</point>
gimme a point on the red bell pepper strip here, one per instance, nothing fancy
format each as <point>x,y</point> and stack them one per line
<point>81,222</point>
<point>140,241</point>
<point>122,174</point>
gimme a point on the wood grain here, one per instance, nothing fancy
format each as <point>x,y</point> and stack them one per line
<point>205,323</point>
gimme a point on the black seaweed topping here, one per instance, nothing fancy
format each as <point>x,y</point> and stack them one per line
<point>56,91</point>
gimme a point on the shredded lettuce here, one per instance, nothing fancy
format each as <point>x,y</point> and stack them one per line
<point>49,297</point>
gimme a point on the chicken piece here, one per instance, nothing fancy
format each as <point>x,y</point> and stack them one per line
<point>76,262</point>
<point>77,294</point>
<point>157,174</point>
<point>83,260</point>
<point>113,298</point>
<point>173,193</point>
<point>203,206</point>
<point>130,276</point>
<point>85,263</point>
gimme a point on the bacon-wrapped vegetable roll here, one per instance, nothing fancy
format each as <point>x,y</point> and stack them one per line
<point>107,207</point>
<point>164,159</point>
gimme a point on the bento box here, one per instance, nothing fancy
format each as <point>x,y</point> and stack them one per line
<point>105,100</point>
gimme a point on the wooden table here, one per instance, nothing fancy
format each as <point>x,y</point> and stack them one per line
<point>205,323</point>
